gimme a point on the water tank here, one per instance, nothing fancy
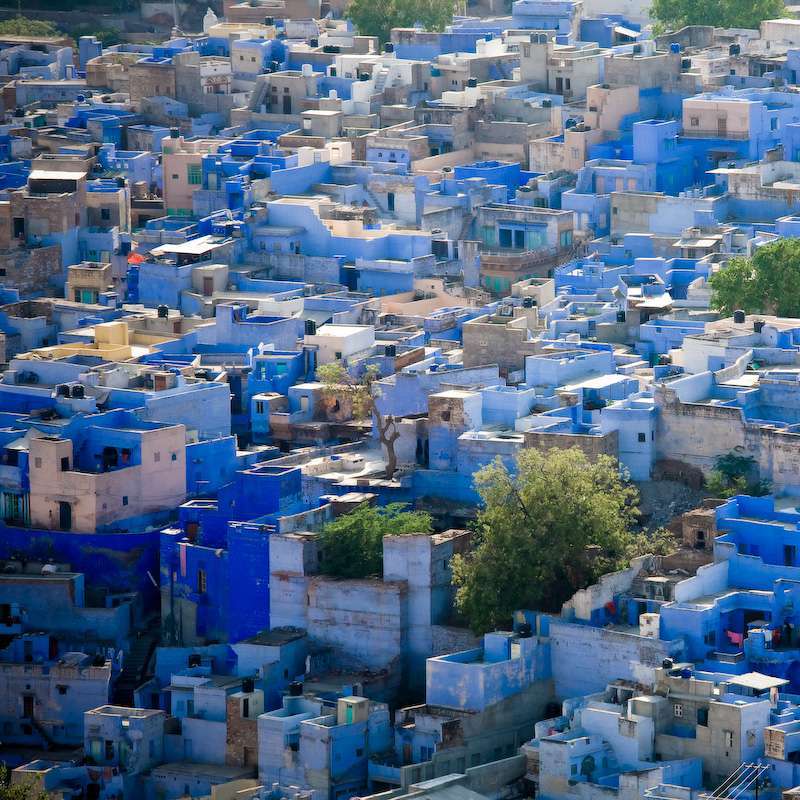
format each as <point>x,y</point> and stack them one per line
<point>390,350</point>
<point>739,316</point>
<point>307,70</point>
<point>527,302</point>
<point>525,631</point>
<point>78,392</point>
<point>472,83</point>
<point>311,327</point>
<point>194,660</point>
<point>163,312</point>
<point>313,42</point>
<point>81,98</point>
<point>174,133</point>
<point>248,685</point>
<point>295,689</point>
<point>686,63</point>
<point>121,182</point>
<point>667,663</point>
<point>333,95</point>
<point>674,47</point>
<point>547,103</point>
<point>734,49</point>
<point>269,20</point>
<point>388,47</point>
<point>758,325</point>
<point>363,76</point>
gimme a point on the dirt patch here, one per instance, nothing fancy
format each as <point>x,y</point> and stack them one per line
<point>661,501</point>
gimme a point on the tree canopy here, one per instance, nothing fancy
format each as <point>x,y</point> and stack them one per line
<point>767,283</point>
<point>378,17</point>
<point>674,14</point>
<point>338,382</point>
<point>22,26</point>
<point>352,545</point>
<point>17,791</point>
<point>552,527</point>
<point>736,474</point>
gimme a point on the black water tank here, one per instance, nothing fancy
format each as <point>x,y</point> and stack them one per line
<point>734,49</point>
<point>739,316</point>
<point>174,133</point>
<point>163,312</point>
<point>758,325</point>
<point>295,689</point>
<point>248,685</point>
<point>527,302</point>
<point>390,350</point>
<point>388,47</point>
<point>311,327</point>
<point>472,83</point>
<point>313,42</point>
<point>269,20</point>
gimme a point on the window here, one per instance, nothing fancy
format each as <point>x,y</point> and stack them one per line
<point>109,749</point>
<point>728,738</point>
<point>677,710</point>
<point>642,437</point>
<point>201,581</point>
<point>194,174</point>
<point>174,457</point>
<point>390,201</point>
<point>62,689</point>
<point>505,237</point>
<point>359,752</point>
<point>124,499</point>
<point>174,176</point>
<point>157,456</point>
<point>105,213</point>
<point>694,122</point>
<point>37,462</point>
<point>259,406</point>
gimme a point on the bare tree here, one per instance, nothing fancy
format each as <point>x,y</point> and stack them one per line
<point>338,382</point>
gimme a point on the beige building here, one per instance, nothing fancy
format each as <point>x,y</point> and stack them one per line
<point>181,164</point>
<point>65,495</point>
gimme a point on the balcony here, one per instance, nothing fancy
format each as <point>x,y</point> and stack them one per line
<point>517,260</point>
<point>717,133</point>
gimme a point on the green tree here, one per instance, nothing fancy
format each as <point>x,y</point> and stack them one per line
<point>107,36</point>
<point>378,17</point>
<point>352,545</point>
<point>767,283</point>
<point>674,14</point>
<point>556,524</point>
<point>362,393</point>
<point>735,474</point>
<point>22,26</point>
<point>19,791</point>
